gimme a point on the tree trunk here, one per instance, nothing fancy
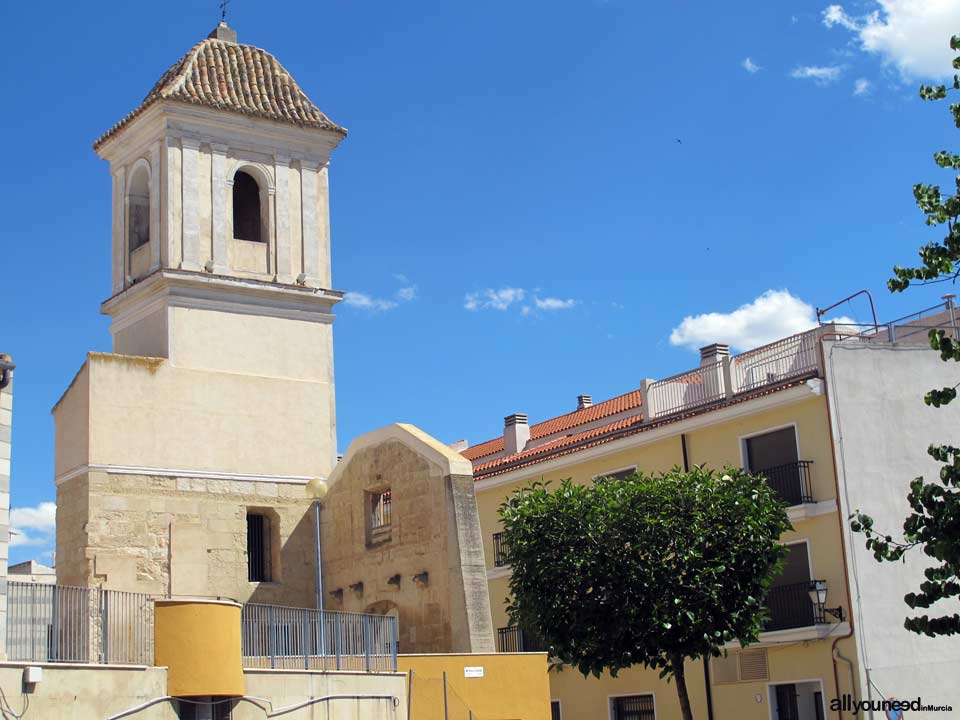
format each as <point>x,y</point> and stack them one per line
<point>676,661</point>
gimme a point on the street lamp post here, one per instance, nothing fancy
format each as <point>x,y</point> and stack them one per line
<point>317,489</point>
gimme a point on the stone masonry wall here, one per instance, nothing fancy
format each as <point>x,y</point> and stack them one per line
<point>377,574</point>
<point>186,536</point>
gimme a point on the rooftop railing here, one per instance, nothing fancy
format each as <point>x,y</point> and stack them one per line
<point>514,639</point>
<point>792,358</point>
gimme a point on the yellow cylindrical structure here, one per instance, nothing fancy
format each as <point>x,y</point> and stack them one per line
<point>199,642</point>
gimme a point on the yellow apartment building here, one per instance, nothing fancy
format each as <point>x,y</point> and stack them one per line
<point>768,410</point>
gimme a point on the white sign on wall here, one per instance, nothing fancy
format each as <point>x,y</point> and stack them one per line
<point>476,671</point>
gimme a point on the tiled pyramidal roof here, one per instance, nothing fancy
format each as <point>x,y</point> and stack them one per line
<point>225,75</point>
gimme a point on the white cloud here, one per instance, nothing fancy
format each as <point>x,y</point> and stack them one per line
<point>368,302</point>
<point>911,35</point>
<point>371,303</point>
<point>773,315</point>
<point>491,299</point>
<point>750,66</point>
<point>861,87</point>
<point>818,73</point>
<point>551,303</point>
<point>40,521</point>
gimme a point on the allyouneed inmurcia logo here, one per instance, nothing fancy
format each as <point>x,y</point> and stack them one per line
<point>893,707</point>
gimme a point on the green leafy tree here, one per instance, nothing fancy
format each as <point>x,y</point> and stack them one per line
<point>934,520</point>
<point>650,570</point>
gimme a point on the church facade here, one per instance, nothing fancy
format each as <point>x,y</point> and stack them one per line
<point>182,456</point>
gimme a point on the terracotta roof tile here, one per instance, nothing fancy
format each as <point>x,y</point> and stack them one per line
<point>613,406</point>
<point>237,78</point>
<point>606,433</point>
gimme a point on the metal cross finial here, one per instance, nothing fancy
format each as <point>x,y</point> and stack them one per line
<point>223,9</point>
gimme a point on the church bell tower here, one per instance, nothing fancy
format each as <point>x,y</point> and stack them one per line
<point>217,403</point>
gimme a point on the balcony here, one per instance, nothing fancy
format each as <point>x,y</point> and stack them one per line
<point>790,607</point>
<point>790,481</point>
<point>499,551</point>
<point>514,639</point>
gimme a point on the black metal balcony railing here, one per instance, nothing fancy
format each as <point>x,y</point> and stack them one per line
<point>499,550</point>
<point>514,639</point>
<point>790,481</point>
<point>790,606</point>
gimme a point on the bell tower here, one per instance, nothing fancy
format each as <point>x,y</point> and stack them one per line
<point>181,456</point>
<point>220,212</point>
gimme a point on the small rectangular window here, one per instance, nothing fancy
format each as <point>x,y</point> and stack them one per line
<point>258,548</point>
<point>381,514</point>
<point>555,710</point>
<point>633,707</point>
<point>622,474</point>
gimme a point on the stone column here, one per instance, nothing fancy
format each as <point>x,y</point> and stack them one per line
<point>155,180</point>
<point>218,202</point>
<point>119,241</point>
<point>311,225</point>
<point>191,203</point>
<point>282,200</point>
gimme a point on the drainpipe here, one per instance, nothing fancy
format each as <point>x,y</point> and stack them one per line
<point>6,370</point>
<point>706,660</point>
<point>834,653</point>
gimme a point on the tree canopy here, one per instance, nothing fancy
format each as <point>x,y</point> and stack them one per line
<point>648,570</point>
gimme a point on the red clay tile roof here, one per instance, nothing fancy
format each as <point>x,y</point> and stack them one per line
<point>605,433</point>
<point>613,406</point>
<point>238,78</point>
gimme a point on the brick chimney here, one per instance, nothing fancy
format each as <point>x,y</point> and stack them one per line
<point>584,401</point>
<point>516,433</point>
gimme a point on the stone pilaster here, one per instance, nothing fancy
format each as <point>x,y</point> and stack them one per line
<point>155,183</point>
<point>119,241</point>
<point>191,204</point>
<point>311,223</point>
<point>220,224</point>
<point>282,199</point>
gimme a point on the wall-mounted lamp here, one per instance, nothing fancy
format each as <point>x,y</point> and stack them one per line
<point>818,596</point>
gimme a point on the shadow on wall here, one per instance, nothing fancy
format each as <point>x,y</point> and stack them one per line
<point>288,563</point>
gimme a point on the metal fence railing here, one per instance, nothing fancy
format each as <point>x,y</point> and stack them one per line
<point>690,389</point>
<point>777,362</point>
<point>293,638</point>
<point>790,606</point>
<point>59,623</point>
<point>514,639</point>
<point>791,481</point>
<point>499,550</point>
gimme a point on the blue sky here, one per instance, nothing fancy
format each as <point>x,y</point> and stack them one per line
<point>532,198</point>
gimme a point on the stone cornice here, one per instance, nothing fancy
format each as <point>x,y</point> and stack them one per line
<point>205,291</point>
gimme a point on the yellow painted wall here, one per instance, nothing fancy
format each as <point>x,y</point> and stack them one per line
<point>713,444</point>
<point>513,687</point>
<point>199,642</point>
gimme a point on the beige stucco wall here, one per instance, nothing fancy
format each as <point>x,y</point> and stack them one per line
<point>86,692</point>
<point>144,412</point>
<point>434,530</point>
<point>285,688</point>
